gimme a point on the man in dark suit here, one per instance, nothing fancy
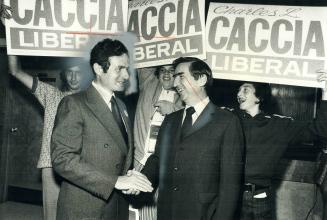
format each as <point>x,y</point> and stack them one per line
<point>92,142</point>
<point>198,159</point>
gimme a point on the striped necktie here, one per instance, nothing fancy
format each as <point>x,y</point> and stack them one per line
<point>117,115</point>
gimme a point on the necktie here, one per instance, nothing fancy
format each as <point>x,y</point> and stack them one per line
<point>116,113</point>
<point>187,124</point>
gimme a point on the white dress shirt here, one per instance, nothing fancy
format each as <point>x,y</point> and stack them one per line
<point>198,109</point>
<point>105,94</point>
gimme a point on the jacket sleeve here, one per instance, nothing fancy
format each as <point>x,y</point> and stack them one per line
<point>152,165</point>
<point>43,92</point>
<point>151,170</point>
<point>231,171</point>
<point>66,148</point>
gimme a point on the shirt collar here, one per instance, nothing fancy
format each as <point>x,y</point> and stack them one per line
<point>105,94</point>
<point>198,107</point>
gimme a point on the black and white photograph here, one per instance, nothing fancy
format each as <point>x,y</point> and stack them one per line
<point>163,110</point>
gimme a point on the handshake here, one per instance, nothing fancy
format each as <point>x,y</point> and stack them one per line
<point>133,183</point>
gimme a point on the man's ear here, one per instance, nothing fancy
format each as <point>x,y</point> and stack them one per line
<point>97,69</point>
<point>202,80</point>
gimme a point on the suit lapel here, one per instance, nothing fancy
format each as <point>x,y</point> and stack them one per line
<point>204,118</point>
<point>169,137</point>
<point>176,131</point>
<point>171,134</point>
<point>127,123</point>
<point>101,111</point>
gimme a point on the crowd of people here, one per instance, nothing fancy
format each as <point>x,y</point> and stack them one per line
<point>184,157</point>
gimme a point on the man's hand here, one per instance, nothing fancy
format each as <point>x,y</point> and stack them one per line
<point>164,107</point>
<point>322,77</point>
<point>130,191</point>
<point>133,183</point>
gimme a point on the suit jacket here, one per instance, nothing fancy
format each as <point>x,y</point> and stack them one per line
<point>200,176</point>
<point>89,152</point>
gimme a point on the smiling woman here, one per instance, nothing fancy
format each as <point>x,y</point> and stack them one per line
<point>166,76</point>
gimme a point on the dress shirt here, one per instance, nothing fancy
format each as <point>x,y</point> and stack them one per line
<point>198,107</point>
<point>105,94</point>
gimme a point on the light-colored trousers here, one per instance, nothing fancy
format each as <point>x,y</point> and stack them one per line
<point>50,190</point>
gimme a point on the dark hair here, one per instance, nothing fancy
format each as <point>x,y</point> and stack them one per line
<point>63,79</point>
<point>262,92</point>
<point>157,71</point>
<point>68,63</point>
<point>105,49</point>
<point>197,69</point>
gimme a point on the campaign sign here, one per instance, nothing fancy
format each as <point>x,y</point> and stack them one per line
<point>166,30</point>
<point>265,43</point>
<point>61,27</point>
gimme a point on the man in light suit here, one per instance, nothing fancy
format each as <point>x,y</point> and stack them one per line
<point>92,142</point>
<point>198,159</point>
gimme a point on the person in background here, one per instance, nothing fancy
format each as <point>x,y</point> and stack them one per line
<point>157,98</point>
<point>197,163</point>
<point>73,77</point>
<point>92,143</point>
<point>266,138</point>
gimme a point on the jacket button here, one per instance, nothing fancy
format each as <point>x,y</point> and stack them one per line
<point>175,188</point>
<point>176,168</point>
<point>118,166</point>
<point>106,145</point>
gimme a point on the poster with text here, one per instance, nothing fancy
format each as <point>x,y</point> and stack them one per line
<point>61,27</point>
<point>166,30</point>
<point>265,43</point>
